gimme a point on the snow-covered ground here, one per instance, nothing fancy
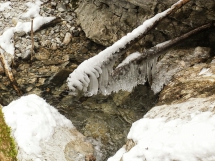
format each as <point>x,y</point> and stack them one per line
<point>38,128</point>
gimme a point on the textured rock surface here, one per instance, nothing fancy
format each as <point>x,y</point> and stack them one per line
<point>106,21</point>
<point>190,91</point>
<point>174,61</point>
<point>190,83</point>
<point>78,149</point>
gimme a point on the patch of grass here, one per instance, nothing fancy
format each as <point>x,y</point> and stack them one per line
<point>8,150</point>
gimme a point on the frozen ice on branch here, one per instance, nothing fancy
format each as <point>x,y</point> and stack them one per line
<point>95,75</point>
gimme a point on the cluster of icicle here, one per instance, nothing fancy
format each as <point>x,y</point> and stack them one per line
<point>95,75</point>
<point>92,78</point>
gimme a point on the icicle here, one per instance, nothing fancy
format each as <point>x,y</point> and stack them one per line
<point>151,69</point>
<point>103,80</point>
<point>93,86</point>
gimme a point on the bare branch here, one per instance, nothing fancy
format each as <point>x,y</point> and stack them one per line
<point>158,49</point>
<point>9,73</point>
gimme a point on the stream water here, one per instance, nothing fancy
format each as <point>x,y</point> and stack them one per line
<point>106,119</point>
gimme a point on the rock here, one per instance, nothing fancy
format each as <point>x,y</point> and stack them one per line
<point>78,149</point>
<point>54,4</point>
<point>107,21</point>
<point>1,69</point>
<point>75,33</point>
<point>184,112</point>
<point>69,18</point>
<point>120,97</point>
<point>54,46</point>
<point>36,45</point>
<point>61,7</point>
<point>26,55</point>
<point>83,50</point>
<point>72,28</point>
<point>59,77</point>
<point>14,21</point>
<point>36,91</point>
<point>67,38</point>
<point>43,54</point>
<point>63,137</point>
<point>190,83</point>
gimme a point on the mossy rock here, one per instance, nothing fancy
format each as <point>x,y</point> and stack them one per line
<point>8,150</point>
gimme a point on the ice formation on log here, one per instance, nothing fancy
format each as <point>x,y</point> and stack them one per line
<point>95,74</point>
<point>100,79</point>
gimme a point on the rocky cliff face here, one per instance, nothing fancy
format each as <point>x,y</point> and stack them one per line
<point>106,21</point>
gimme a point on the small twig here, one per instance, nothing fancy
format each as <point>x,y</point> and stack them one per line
<point>9,73</point>
<point>32,38</point>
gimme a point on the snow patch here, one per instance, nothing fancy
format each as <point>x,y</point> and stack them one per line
<point>34,123</point>
<point>6,39</point>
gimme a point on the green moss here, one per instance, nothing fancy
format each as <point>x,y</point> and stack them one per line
<point>7,144</point>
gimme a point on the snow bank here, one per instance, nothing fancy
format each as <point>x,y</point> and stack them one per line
<point>38,128</point>
<point>178,139</point>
